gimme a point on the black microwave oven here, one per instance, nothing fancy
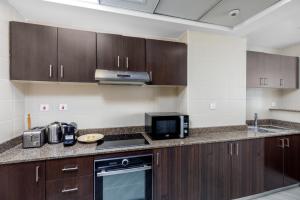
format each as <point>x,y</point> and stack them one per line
<point>166,125</point>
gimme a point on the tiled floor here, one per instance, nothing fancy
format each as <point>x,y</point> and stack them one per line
<point>291,194</point>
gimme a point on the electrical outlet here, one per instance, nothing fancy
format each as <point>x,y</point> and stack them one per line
<point>273,104</point>
<point>44,107</point>
<point>213,106</point>
<point>63,107</point>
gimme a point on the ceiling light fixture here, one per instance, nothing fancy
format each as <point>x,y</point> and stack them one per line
<point>234,12</point>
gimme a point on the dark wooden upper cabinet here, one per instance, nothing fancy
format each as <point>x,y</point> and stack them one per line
<point>109,52</point>
<point>166,62</point>
<point>289,71</point>
<point>115,52</point>
<point>272,71</point>
<point>135,54</point>
<point>22,181</point>
<point>76,55</point>
<point>33,52</point>
<point>247,168</point>
<point>255,69</point>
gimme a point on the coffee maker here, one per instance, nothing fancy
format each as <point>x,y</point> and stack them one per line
<point>69,134</point>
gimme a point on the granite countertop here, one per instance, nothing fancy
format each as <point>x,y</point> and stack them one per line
<point>18,155</point>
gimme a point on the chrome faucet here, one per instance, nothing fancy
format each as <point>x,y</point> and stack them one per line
<point>255,120</point>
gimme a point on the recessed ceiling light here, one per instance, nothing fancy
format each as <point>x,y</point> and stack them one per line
<point>234,13</point>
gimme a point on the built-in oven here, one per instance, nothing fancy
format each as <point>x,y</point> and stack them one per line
<point>123,178</point>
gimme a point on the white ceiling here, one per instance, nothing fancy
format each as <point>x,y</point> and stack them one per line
<point>276,29</point>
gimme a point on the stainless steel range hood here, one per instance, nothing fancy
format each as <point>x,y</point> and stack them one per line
<point>110,77</point>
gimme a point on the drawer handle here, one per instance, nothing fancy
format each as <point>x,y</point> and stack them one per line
<point>70,169</point>
<point>69,190</point>
<point>37,172</point>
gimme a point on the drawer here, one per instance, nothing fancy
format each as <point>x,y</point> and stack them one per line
<point>69,168</point>
<point>79,188</point>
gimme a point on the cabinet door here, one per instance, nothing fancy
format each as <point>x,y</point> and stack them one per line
<point>135,54</point>
<point>255,69</point>
<point>291,160</point>
<point>288,74</point>
<point>272,71</point>
<point>166,62</point>
<point>274,165</point>
<point>76,55</point>
<point>167,174</point>
<point>191,163</point>
<point>22,181</point>
<point>247,168</point>
<point>33,52</point>
<point>110,51</point>
<point>215,171</point>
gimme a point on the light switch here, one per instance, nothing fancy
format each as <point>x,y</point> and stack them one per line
<point>44,107</point>
<point>63,107</point>
<point>213,106</point>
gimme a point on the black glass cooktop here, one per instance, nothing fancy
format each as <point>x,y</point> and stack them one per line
<point>119,141</point>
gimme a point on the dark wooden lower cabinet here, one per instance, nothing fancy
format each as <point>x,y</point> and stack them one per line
<point>77,188</point>
<point>247,171</point>
<point>215,171</point>
<point>281,161</point>
<point>273,163</point>
<point>291,160</point>
<point>25,181</point>
<point>167,174</point>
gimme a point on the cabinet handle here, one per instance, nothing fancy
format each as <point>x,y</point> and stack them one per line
<point>157,159</point>
<point>70,169</point>
<point>127,62</point>
<point>282,143</point>
<point>237,149</point>
<point>281,82</point>
<point>287,142</point>
<point>118,61</point>
<point>61,71</point>
<point>231,149</point>
<point>37,174</point>
<point>50,71</point>
<point>260,81</point>
<point>151,76</point>
<point>70,190</point>
<point>265,81</point>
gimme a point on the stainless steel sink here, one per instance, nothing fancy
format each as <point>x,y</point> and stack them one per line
<point>267,129</point>
<point>273,127</point>
<point>259,130</point>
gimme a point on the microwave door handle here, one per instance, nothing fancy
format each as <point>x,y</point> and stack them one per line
<point>124,171</point>
<point>181,126</point>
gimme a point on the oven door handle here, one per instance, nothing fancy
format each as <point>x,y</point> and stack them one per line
<point>125,171</point>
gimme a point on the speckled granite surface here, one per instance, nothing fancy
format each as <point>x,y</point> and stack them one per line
<point>10,144</point>
<point>17,154</point>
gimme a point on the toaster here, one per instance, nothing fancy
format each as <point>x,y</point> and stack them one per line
<point>35,137</point>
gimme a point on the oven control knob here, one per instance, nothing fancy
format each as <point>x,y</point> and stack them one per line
<point>125,162</point>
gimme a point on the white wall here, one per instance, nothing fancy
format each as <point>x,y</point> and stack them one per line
<point>260,100</point>
<point>11,95</point>
<point>93,106</point>
<point>216,74</point>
